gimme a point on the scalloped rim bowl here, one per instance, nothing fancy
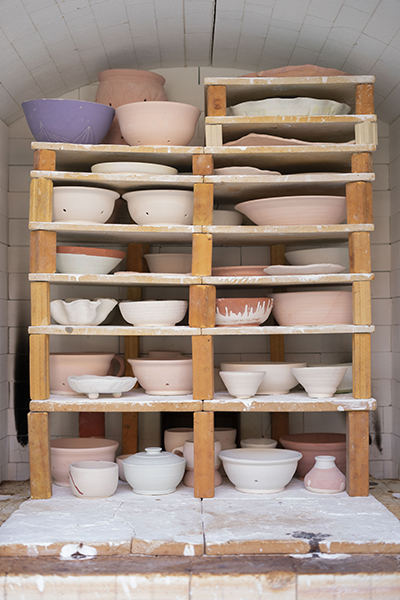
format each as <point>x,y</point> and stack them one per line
<point>93,385</point>
<point>160,207</point>
<point>81,311</point>
<point>82,204</point>
<point>153,313</point>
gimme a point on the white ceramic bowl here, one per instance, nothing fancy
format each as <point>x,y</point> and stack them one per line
<point>313,308</point>
<point>93,478</point>
<point>160,207</point>
<point>82,204</point>
<point>334,255</point>
<point>164,377</point>
<point>300,106</point>
<point>242,384</point>
<point>278,378</point>
<point>71,450</point>
<point>87,261</point>
<point>258,443</point>
<point>153,313</point>
<point>154,472</point>
<point>226,217</point>
<point>320,382</point>
<point>260,470</point>
<point>81,311</point>
<point>346,385</point>
<point>133,167</point>
<point>94,385</point>
<point>169,262</point>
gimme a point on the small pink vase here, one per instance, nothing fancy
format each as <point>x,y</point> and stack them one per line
<point>325,477</point>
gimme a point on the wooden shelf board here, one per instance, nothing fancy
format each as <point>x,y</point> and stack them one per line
<point>118,233</point>
<point>288,279</point>
<point>291,330</point>
<point>293,402</point>
<point>134,401</point>
<point>118,330</point>
<point>142,279</point>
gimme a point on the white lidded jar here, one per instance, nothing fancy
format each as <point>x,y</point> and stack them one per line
<point>154,472</point>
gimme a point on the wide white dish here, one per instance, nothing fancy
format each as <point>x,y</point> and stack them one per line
<point>160,207</point>
<point>80,204</point>
<point>81,311</point>
<point>337,255</point>
<point>94,385</point>
<point>153,313</point>
<point>133,167</point>
<point>227,217</point>
<point>317,269</point>
<point>300,106</point>
<point>244,171</point>
<point>260,470</point>
<point>169,263</point>
<point>278,378</point>
<point>320,382</point>
<point>263,139</point>
<point>154,472</point>
<point>242,384</point>
<point>93,478</point>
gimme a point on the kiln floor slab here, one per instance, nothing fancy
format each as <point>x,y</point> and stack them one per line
<point>294,521</point>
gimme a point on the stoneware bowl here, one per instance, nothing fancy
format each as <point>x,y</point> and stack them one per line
<point>87,261</point>
<point>278,378</point>
<point>169,262</point>
<point>68,121</point>
<point>158,123</point>
<point>295,210</point>
<point>226,217</point>
<point>258,443</point>
<point>313,308</point>
<point>93,478</point>
<point>320,382</point>
<point>154,472</point>
<point>260,470</point>
<point>119,460</point>
<point>80,204</point>
<point>242,384</point>
<point>93,385</point>
<point>346,385</point>
<point>160,207</point>
<point>81,311</point>
<point>176,436</point>
<point>133,167</point>
<point>71,450</point>
<point>164,377</point>
<point>236,312</point>
<point>334,255</point>
<point>153,313</point>
<point>313,444</point>
<point>64,364</point>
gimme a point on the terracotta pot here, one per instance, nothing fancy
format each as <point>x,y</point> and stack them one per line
<point>314,444</point>
<point>64,364</point>
<point>325,477</point>
<point>298,71</point>
<point>71,450</point>
<point>236,312</point>
<point>90,251</point>
<point>122,86</point>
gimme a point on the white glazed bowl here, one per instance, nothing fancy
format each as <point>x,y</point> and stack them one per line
<point>82,204</point>
<point>260,470</point>
<point>164,377</point>
<point>169,262</point>
<point>242,384</point>
<point>153,313</point>
<point>154,472</point>
<point>93,478</point>
<point>320,382</point>
<point>133,167</point>
<point>87,261</point>
<point>334,255</point>
<point>227,217</point>
<point>278,378</point>
<point>160,207</point>
<point>81,311</point>
<point>300,106</point>
<point>258,443</point>
<point>71,450</point>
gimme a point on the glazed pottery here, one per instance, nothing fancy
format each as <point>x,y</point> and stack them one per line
<point>154,472</point>
<point>313,308</point>
<point>225,435</point>
<point>81,311</point>
<point>236,312</point>
<point>278,378</point>
<point>119,460</point>
<point>153,313</point>
<point>80,204</point>
<point>226,217</point>
<point>333,255</point>
<point>160,207</point>
<point>298,71</point>
<point>260,470</point>
<point>87,261</point>
<point>121,86</point>
<point>240,271</point>
<point>93,478</point>
<point>67,121</point>
<point>176,436</point>
<point>295,210</point>
<point>319,382</point>
<point>313,444</point>
<point>242,384</point>
<point>158,123</point>
<point>325,477</point>
<point>64,364</point>
<point>133,167</point>
<point>169,262</point>
<point>71,450</point>
<point>164,377</point>
<point>93,385</point>
<point>258,443</point>
<point>300,106</point>
<point>187,449</point>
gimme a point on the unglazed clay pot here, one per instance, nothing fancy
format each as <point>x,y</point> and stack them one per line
<point>164,377</point>
<point>64,364</point>
<point>83,204</point>
<point>122,86</point>
<point>278,378</point>
<point>325,477</point>
<point>93,478</point>
<point>320,382</point>
<point>235,312</point>
<point>177,436</point>
<point>160,207</point>
<point>313,308</point>
<point>242,384</point>
<point>314,444</point>
<point>71,450</point>
<point>168,262</point>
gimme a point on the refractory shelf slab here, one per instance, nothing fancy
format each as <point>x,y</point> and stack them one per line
<point>119,330</point>
<point>142,279</point>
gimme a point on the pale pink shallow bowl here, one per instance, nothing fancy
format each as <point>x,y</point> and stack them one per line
<point>313,308</point>
<point>164,377</point>
<point>235,312</point>
<point>71,450</point>
<point>314,444</point>
<point>64,364</point>
<point>295,210</point>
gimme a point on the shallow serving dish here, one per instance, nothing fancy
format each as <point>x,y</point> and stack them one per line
<point>313,308</point>
<point>153,313</point>
<point>87,261</point>
<point>169,262</point>
<point>81,204</point>
<point>316,269</point>
<point>64,364</point>
<point>300,106</point>
<point>93,385</point>
<point>338,255</point>
<point>133,167</point>
<point>81,311</point>
<point>160,207</point>
<point>70,450</point>
<point>93,478</point>
<point>235,312</point>
<point>278,378</point>
<point>164,377</point>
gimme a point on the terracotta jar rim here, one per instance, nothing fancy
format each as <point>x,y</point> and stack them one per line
<point>128,73</point>
<point>90,251</point>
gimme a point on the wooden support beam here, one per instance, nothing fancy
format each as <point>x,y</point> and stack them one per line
<point>39,372</point>
<point>43,248</point>
<point>357,467</point>
<point>203,203</point>
<point>361,162</point>
<point>214,135</point>
<point>365,99</point>
<point>41,200</point>
<point>361,365</point>
<point>44,160</point>
<point>203,424</point>
<point>359,202</point>
<point>202,300</point>
<point>216,101</point>
<point>279,425</point>
<point>360,252</point>
<point>39,455</point>
<point>202,164</point>
<point>130,432</point>
<point>201,254</point>
<point>40,303</point>
<point>203,367</point>
<point>362,303</point>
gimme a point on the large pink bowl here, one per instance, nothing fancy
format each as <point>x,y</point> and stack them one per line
<point>64,364</point>
<point>314,444</point>
<point>236,312</point>
<point>166,377</point>
<point>295,210</point>
<point>70,450</point>
<point>313,308</point>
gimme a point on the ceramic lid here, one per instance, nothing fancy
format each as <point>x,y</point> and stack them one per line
<point>154,456</point>
<point>259,455</point>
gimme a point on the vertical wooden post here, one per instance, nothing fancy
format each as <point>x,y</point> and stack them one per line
<point>41,200</point>
<point>203,204</point>
<point>203,423</point>
<point>365,99</point>
<point>216,101</point>
<point>39,455</point>
<point>202,164</point>
<point>201,254</point>
<point>44,160</point>
<point>357,467</point>
<point>39,372</point>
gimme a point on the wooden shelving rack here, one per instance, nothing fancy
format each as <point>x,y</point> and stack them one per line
<point>351,167</point>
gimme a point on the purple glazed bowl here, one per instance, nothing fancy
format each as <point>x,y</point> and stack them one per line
<point>68,121</point>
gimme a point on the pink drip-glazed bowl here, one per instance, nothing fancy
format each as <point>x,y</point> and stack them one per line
<point>236,312</point>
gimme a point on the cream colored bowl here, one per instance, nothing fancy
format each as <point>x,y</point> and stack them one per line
<point>81,204</point>
<point>278,378</point>
<point>169,262</point>
<point>160,207</point>
<point>93,478</point>
<point>153,313</point>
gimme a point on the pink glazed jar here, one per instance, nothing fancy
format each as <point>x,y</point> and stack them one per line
<point>325,477</point>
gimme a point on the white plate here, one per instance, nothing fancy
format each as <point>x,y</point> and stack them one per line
<point>133,167</point>
<point>316,269</point>
<point>243,171</point>
<point>301,106</point>
<point>262,139</point>
<point>93,385</point>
